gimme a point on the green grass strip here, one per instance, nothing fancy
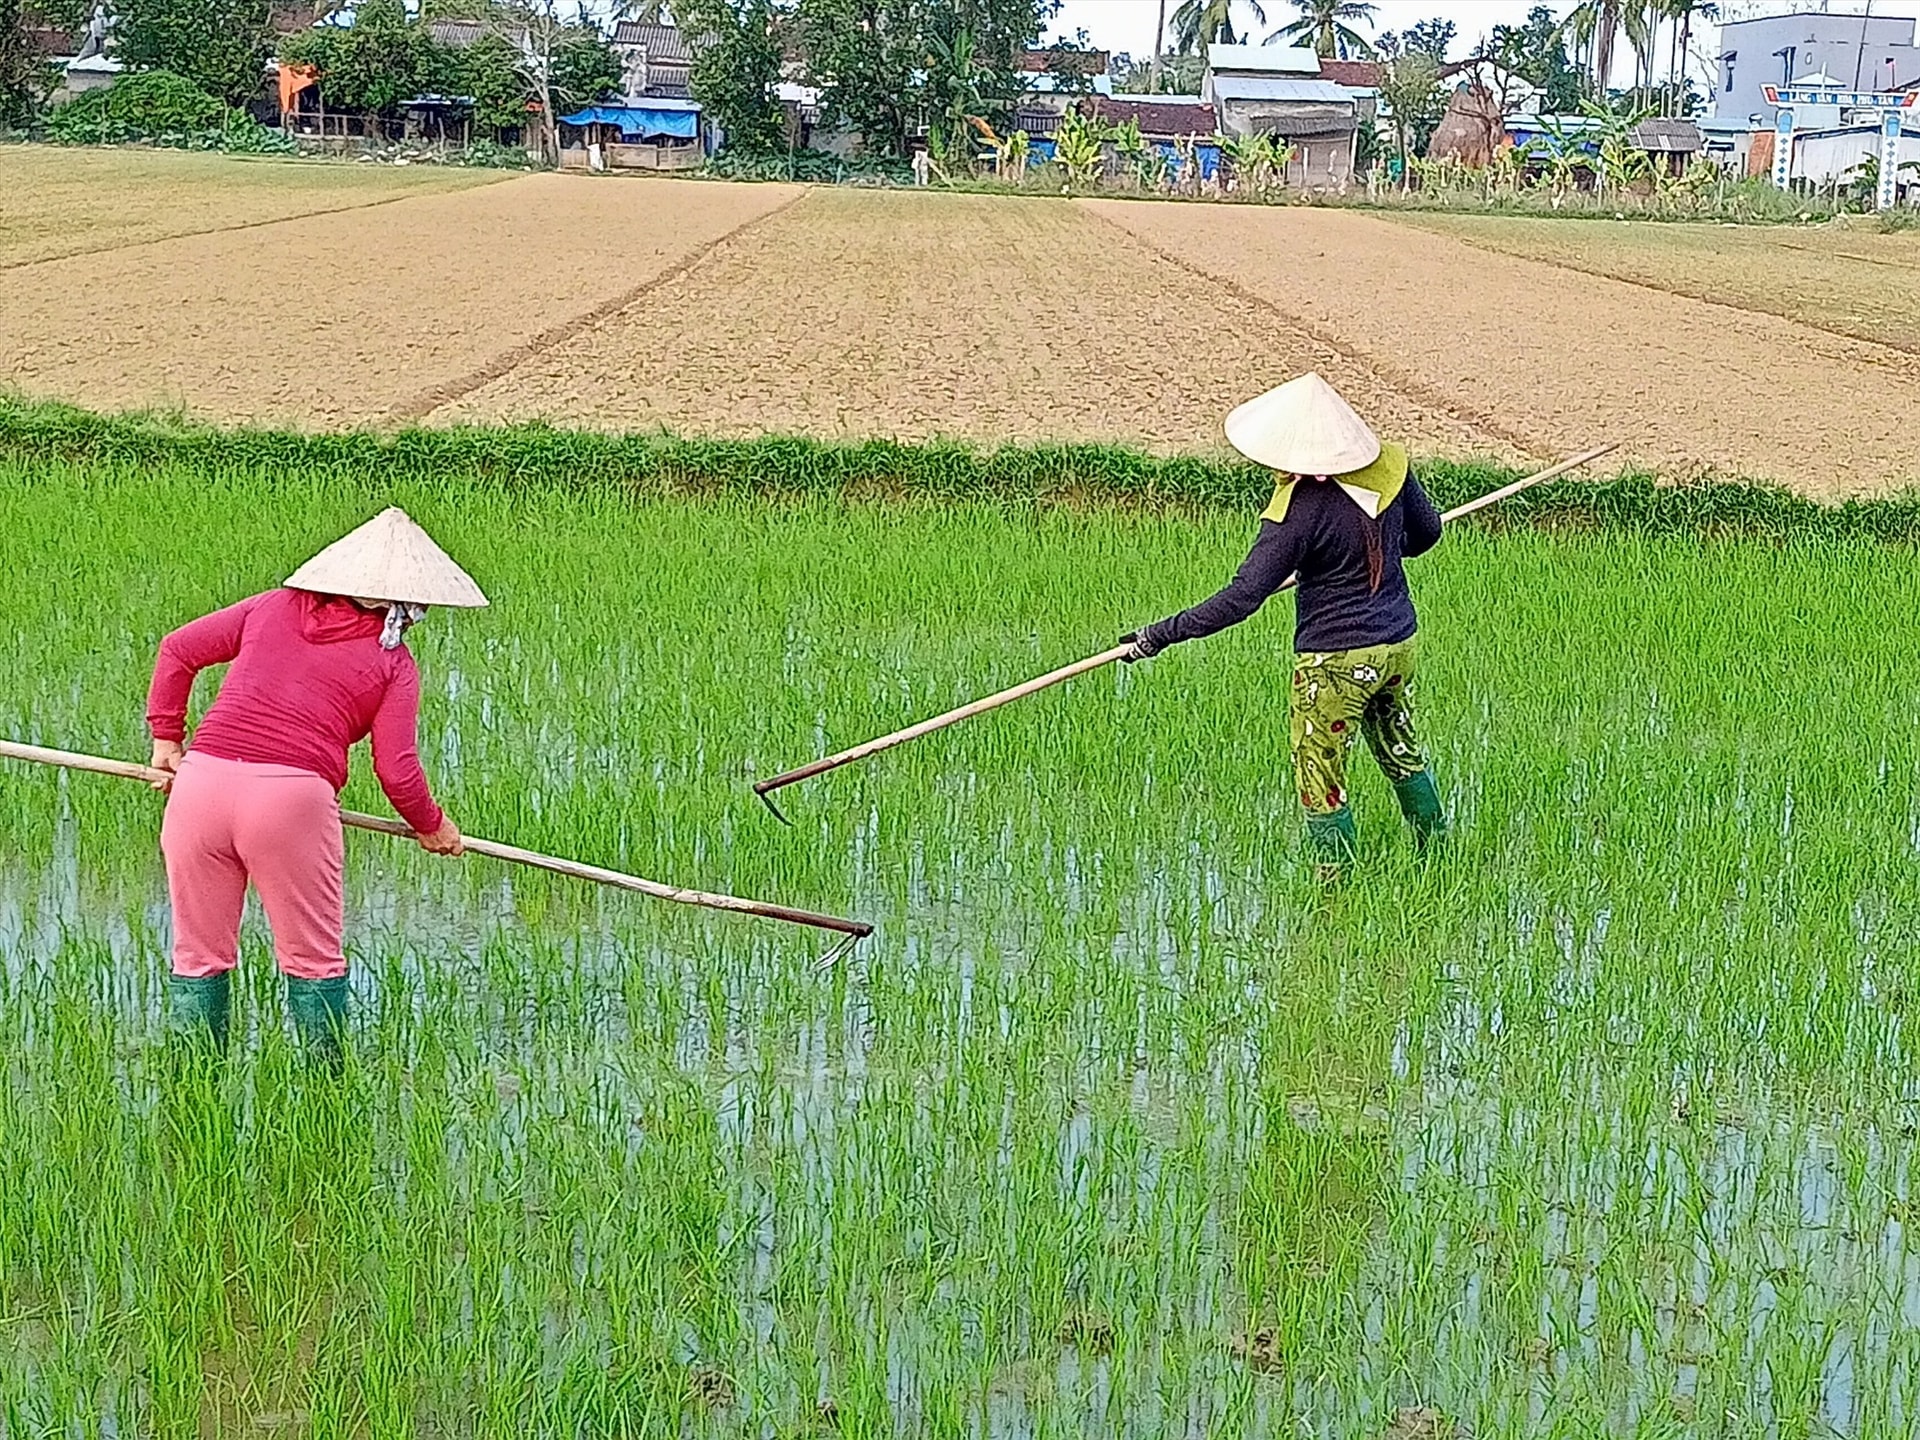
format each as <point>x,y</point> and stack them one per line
<point>659,463</point>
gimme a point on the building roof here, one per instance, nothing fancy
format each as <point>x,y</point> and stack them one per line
<point>1667,137</point>
<point>1047,83</point>
<point>289,17</point>
<point>1156,117</point>
<point>465,34</point>
<point>52,40</point>
<point>1263,59</point>
<point>1286,88</point>
<point>1308,127</point>
<point>1060,61</point>
<point>1354,74</point>
<point>664,44</point>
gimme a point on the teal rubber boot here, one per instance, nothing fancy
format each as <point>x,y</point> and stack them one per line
<point>1420,803</point>
<point>319,1009</point>
<point>1333,841</point>
<point>198,1009</point>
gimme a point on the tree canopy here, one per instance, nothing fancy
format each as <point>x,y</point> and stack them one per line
<point>735,67</point>
<point>220,45</point>
<point>1326,28</point>
<point>884,65</point>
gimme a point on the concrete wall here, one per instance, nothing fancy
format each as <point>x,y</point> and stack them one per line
<point>1823,158</point>
<point>1831,43</point>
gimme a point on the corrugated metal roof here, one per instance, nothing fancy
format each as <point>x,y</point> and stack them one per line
<point>1668,136</point>
<point>1264,59</point>
<point>1280,87</point>
<point>663,43</point>
<point>464,34</point>
<point>1306,127</point>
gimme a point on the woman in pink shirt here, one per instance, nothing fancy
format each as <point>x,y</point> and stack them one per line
<point>316,667</point>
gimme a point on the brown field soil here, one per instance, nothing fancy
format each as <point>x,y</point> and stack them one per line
<point>912,315</point>
<point>706,308</point>
<point>359,317</point>
<point>1561,361</point>
<point>1848,277</point>
<point>77,202</point>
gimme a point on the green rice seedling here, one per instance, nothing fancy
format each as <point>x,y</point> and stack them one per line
<point>1594,1123</point>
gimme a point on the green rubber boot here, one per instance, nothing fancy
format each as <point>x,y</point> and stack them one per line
<point>1333,841</point>
<point>198,1007</point>
<point>319,1009</point>
<point>1420,803</point>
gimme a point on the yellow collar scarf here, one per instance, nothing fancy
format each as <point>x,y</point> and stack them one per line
<point>1372,489</point>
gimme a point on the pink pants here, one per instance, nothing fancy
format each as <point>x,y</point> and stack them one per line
<point>229,822</point>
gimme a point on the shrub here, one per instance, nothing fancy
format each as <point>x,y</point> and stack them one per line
<point>160,108</point>
<point>138,107</point>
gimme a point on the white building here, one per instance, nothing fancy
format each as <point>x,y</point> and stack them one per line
<point>1874,52</point>
<point>1276,90</point>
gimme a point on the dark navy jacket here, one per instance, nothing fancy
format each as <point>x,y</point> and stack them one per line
<point>1324,540</point>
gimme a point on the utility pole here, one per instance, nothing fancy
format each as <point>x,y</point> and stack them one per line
<point>1860,60</point>
<point>1159,44</point>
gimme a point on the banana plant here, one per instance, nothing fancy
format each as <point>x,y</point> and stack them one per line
<point>1259,161</point>
<point>1077,150</point>
<point>1009,151</point>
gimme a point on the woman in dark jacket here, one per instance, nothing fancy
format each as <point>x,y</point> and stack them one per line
<point>1346,512</point>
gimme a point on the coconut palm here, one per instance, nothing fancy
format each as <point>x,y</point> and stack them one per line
<point>1642,21</point>
<point>1597,23</point>
<point>1200,23</point>
<point>1683,13</point>
<point>1323,28</point>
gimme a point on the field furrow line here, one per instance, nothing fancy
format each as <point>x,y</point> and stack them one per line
<point>237,226</point>
<point>505,363</point>
<point>1899,360</point>
<point>1389,376</point>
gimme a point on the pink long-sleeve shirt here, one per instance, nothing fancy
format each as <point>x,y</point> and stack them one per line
<point>308,682</point>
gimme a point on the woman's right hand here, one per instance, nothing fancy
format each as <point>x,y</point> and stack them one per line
<point>446,840</point>
<point>166,756</point>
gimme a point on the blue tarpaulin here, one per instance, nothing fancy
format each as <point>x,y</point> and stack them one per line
<point>640,122</point>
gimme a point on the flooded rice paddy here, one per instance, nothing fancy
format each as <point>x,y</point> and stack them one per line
<point>1600,1123</point>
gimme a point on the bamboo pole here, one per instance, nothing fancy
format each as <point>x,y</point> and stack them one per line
<point>765,788</point>
<point>512,854</point>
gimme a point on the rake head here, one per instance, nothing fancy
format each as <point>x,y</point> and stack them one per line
<point>765,792</point>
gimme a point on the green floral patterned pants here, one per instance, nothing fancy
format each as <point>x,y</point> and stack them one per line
<point>1344,694</point>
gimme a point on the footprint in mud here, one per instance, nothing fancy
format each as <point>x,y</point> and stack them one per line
<point>1260,1351</point>
<point>1423,1422</point>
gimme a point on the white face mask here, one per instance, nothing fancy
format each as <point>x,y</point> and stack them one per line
<point>401,617</point>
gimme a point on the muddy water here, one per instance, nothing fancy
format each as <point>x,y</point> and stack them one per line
<point>1508,1236</point>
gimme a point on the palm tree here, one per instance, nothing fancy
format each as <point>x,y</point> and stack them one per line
<point>1683,13</point>
<point>1323,27</point>
<point>1200,23</point>
<point>1597,23</point>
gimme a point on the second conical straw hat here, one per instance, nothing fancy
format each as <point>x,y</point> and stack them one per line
<point>1303,428</point>
<point>389,558</point>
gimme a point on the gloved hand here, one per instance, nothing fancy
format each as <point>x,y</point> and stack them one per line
<point>1141,645</point>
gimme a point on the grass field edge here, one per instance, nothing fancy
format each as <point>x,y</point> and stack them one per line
<point>661,463</point>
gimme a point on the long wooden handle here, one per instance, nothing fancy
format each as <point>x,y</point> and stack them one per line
<point>512,854</point>
<point>940,722</point>
<point>764,788</point>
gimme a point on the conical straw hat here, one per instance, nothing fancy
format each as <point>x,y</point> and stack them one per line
<point>1303,428</point>
<point>389,558</point>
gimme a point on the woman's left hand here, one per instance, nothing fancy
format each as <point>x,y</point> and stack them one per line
<point>167,755</point>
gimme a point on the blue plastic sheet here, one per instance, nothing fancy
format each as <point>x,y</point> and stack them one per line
<point>640,122</point>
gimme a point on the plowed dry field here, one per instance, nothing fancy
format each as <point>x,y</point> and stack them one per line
<point>327,296</point>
